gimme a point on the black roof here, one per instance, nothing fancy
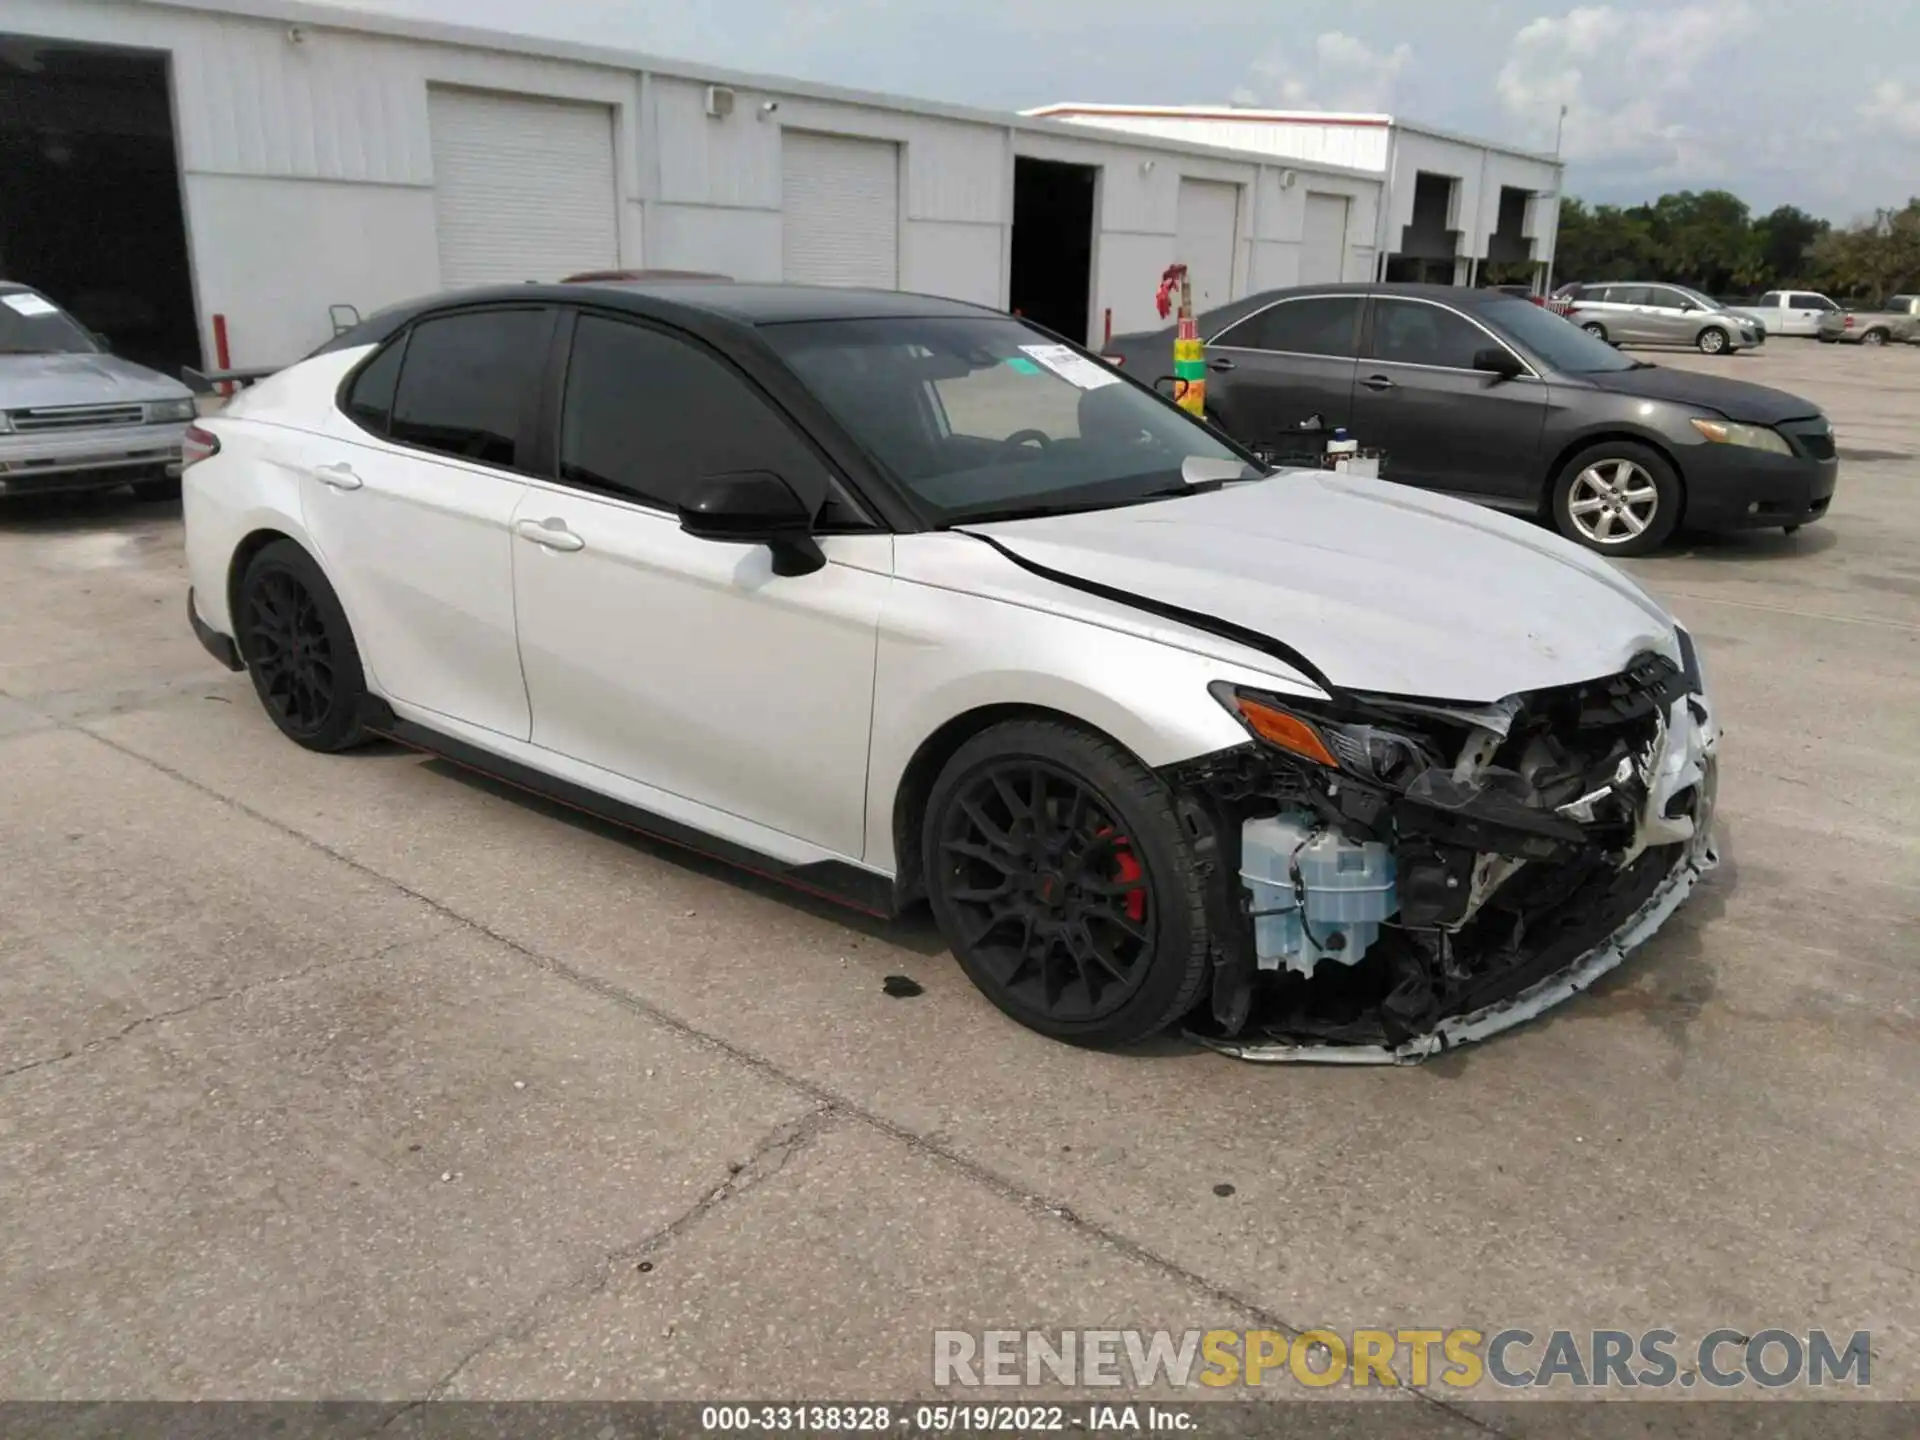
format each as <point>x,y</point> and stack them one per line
<point>1211,322</point>
<point>688,301</point>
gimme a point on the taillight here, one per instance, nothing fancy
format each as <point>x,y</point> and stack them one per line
<point>197,445</point>
<point>1848,324</point>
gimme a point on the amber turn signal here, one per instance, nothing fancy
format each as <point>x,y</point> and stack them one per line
<point>1277,727</point>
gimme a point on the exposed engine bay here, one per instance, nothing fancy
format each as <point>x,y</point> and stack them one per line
<point>1395,877</point>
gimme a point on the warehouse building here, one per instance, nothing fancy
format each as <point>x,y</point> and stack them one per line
<point>221,182</point>
<point>1456,209</point>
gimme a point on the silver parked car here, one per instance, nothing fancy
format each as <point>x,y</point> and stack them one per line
<point>1896,321</point>
<point>1625,313</point>
<point>72,416</point>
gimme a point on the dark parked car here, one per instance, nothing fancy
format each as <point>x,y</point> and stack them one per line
<point>1486,396</point>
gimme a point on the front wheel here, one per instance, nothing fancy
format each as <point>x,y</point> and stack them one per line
<point>1617,497</point>
<point>299,649</point>
<point>1712,341</point>
<point>1062,880</point>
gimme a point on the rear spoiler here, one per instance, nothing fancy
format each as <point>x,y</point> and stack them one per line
<point>224,382</point>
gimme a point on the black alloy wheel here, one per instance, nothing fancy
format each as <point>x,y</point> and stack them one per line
<point>1061,880</point>
<point>294,637</point>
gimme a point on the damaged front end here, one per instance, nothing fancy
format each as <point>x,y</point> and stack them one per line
<point>1388,878</point>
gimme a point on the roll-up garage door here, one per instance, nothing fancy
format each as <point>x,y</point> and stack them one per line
<point>1209,214</point>
<point>840,210</point>
<point>522,189</point>
<point>1323,249</point>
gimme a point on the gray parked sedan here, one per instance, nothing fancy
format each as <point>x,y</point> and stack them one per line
<point>1636,314</point>
<point>73,417</point>
<point>1495,399</point>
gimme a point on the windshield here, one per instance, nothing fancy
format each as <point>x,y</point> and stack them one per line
<point>1557,342</point>
<point>1705,302</point>
<point>31,324</point>
<point>987,418</point>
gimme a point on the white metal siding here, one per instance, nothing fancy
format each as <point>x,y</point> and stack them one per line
<point>1323,247</point>
<point>1357,146</point>
<point>1209,219</point>
<point>840,210</point>
<point>523,189</point>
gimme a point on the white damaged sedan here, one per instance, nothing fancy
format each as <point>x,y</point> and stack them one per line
<point>896,598</point>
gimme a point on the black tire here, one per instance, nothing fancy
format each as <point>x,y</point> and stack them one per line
<point>1085,919</point>
<point>299,649</point>
<point>1713,341</point>
<point>1606,458</point>
<point>1595,329</point>
<point>1875,336</point>
<point>160,487</point>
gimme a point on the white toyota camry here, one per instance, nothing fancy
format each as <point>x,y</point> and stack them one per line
<point>893,597</point>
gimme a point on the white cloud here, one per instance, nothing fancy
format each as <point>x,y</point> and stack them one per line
<point>1345,74</point>
<point>1892,109</point>
<point>1619,74</point>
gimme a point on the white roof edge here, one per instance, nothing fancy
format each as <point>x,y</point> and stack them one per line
<point>349,19</point>
<point>1307,117</point>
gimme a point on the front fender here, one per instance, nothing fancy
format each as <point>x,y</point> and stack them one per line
<point>945,654</point>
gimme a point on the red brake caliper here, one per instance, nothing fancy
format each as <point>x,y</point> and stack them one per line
<point>1127,869</point>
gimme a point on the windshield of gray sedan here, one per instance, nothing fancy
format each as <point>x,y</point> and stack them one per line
<point>984,416</point>
<point>1556,341</point>
<point>31,324</point>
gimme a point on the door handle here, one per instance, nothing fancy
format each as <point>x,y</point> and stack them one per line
<point>553,534</point>
<point>1221,364</point>
<point>340,476</point>
<point>1379,382</point>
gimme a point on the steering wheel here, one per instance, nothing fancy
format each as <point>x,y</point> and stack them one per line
<point>1023,437</point>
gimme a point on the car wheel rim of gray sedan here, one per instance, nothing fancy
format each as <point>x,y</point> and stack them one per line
<point>1713,340</point>
<point>1613,501</point>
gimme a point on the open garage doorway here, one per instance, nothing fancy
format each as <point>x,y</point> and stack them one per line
<point>1051,282</point>
<point>90,210</point>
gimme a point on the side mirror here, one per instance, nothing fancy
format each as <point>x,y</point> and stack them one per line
<point>755,507</point>
<point>1495,361</point>
<point>1165,384</point>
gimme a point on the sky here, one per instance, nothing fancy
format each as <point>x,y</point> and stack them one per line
<point>1780,101</point>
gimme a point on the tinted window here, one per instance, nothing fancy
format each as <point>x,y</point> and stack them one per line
<point>1813,302</point>
<point>649,416</point>
<point>1325,326</point>
<point>1898,302</point>
<point>1669,299</point>
<point>370,398</point>
<point>1630,295</point>
<point>466,382</point>
<point>1772,298</point>
<point>1406,332</point>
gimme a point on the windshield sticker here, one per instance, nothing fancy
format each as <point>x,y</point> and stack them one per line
<point>1023,365</point>
<point>1073,368</point>
<point>27,304</point>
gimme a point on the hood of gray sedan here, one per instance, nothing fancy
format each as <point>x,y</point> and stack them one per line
<point>32,381</point>
<point>1381,587</point>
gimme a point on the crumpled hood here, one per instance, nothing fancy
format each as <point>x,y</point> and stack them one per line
<point>34,380</point>
<point>1735,399</point>
<point>1383,588</point>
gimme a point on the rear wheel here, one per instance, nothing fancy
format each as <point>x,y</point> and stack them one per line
<point>1617,497</point>
<point>1874,337</point>
<point>299,649</point>
<point>1712,340</point>
<point>1595,329</point>
<point>1062,880</point>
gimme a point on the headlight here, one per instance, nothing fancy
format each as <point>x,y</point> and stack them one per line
<point>162,412</point>
<point>1369,751</point>
<point>1753,437</point>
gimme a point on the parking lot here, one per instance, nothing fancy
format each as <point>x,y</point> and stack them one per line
<point>358,1077</point>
